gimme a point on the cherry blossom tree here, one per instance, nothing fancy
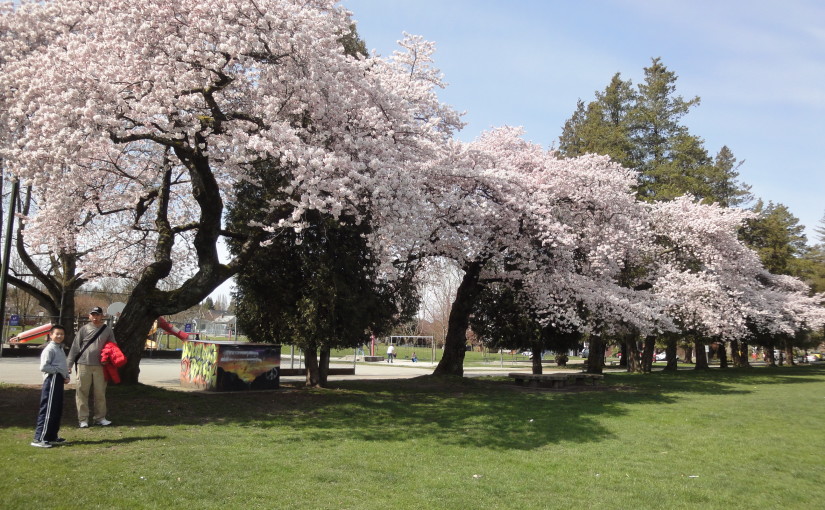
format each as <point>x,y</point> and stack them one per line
<point>715,287</point>
<point>141,116</point>
<point>509,211</point>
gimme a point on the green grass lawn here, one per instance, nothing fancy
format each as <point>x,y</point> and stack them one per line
<point>717,439</point>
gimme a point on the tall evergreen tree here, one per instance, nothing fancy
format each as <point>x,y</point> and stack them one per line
<point>778,238</point>
<point>726,189</point>
<point>642,128</point>
<point>601,126</point>
<point>656,126</point>
<point>820,230</point>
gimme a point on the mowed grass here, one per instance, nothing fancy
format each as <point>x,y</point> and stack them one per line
<point>718,439</point>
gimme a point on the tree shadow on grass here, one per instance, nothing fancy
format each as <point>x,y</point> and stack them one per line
<point>111,442</point>
<point>486,412</point>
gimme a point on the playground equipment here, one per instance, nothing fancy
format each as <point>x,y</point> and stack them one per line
<point>31,334</point>
<point>171,329</point>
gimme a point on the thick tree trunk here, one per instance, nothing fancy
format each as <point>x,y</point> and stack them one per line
<point>735,355</point>
<point>323,367</point>
<point>744,355</point>
<point>634,359</point>
<point>624,355</point>
<point>595,359</point>
<point>536,348</point>
<point>701,356</point>
<point>313,379</point>
<point>769,355</point>
<point>647,354</point>
<point>452,360</point>
<point>789,351</point>
<point>146,302</point>
<point>723,355</point>
<point>688,354</point>
<point>130,332</point>
<point>670,354</point>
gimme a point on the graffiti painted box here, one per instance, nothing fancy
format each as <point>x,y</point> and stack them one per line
<point>229,366</point>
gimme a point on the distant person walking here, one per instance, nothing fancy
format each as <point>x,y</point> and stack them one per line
<point>55,376</point>
<point>390,353</point>
<point>85,356</point>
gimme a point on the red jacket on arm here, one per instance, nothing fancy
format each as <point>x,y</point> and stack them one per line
<point>112,358</point>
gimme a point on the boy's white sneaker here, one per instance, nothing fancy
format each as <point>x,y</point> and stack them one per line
<point>104,422</point>
<point>41,444</point>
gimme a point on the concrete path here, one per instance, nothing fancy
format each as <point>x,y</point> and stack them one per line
<point>165,373</point>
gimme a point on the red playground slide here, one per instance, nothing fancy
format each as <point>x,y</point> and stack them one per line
<point>31,334</point>
<point>172,330</point>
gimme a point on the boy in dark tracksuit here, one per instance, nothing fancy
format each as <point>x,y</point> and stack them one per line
<point>55,375</point>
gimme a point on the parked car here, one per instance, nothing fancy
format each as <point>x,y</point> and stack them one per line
<point>662,356</point>
<point>814,356</point>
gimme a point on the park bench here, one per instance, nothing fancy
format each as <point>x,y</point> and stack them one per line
<point>554,380</point>
<point>373,358</point>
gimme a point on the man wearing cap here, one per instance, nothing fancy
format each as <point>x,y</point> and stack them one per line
<point>85,356</point>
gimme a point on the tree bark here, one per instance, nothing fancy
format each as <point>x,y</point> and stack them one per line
<point>723,355</point>
<point>595,358</point>
<point>647,354</point>
<point>452,360</point>
<point>744,355</point>
<point>323,367</point>
<point>311,363</point>
<point>688,354</point>
<point>770,358</point>
<point>789,351</point>
<point>701,356</point>
<point>672,358</point>
<point>735,355</point>
<point>536,348</point>
<point>634,359</point>
<point>131,332</point>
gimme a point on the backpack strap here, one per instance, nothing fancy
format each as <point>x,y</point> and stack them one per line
<point>87,344</point>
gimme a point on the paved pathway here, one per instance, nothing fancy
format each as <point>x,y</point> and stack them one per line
<point>166,372</point>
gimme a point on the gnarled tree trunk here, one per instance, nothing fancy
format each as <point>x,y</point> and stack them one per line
<point>452,360</point>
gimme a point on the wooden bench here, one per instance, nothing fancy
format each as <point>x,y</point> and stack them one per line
<point>554,380</point>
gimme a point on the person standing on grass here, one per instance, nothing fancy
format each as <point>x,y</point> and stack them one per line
<point>55,376</point>
<point>85,356</point>
<point>390,353</point>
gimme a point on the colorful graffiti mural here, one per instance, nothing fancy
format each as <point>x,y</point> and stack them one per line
<point>199,364</point>
<point>230,366</point>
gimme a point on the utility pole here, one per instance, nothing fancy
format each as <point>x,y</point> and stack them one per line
<point>15,190</point>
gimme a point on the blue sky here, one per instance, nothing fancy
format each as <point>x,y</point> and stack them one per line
<point>758,66</point>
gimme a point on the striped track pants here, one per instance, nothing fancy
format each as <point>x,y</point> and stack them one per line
<point>51,409</point>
